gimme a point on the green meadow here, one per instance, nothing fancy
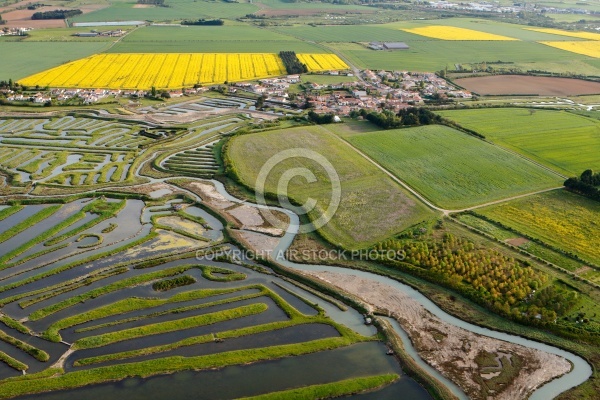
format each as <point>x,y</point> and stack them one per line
<point>563,141</point>
<point>452,169</point>
<point>372,206</point>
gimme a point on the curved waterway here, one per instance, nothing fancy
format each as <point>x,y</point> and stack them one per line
<point>580,372</point>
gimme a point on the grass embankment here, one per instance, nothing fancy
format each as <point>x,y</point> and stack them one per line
<point>295,318</point>
<point>330,390</point>
<point>38,239</point>
<point>13,363</point>
<point>29,222</point>
<point>372,206</point>
<point>7,212</point>
<point>169,365</point>
<point>176,310</point>
<point>176,363</point>
<point>103,209</point>
<point>74,264</point>
<point>221,274</point>
<point>169,326</point>
<point>169,284</point>
<point>125,283</point>
<point>14,324</point>
<point>131,304</point>
<point>80,282</point>
<point>33,351</point>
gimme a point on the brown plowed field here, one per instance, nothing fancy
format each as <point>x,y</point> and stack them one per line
<point>521,85</point>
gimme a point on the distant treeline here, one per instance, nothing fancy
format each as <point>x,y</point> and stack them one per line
<point>152,2</point>
<point>588,184</point>
<point>56,14</point>
<point>406,117</point>
<point>209,22</point>
<point>292,63</point>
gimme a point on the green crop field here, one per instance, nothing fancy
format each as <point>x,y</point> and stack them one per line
<point>221,39</point>
<point>177,9</point>
<point>452,169</point>
<point>559,218</point>
<point>372,206</point>
<point>21,59</point>
<point>427,54</point>
<point>565,142</point>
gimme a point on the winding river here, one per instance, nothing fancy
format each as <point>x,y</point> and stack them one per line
<point>579,373</point>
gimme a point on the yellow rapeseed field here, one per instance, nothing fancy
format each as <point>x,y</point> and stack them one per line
<point>582,35</point>
<point>161,70</point>
<point>587,48</point>
<point>453,33</point>
<point>322,62</point>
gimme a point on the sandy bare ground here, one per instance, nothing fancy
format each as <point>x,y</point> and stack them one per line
<point>517,242</point>
<point>14,6</point>
<point>242,216</point>
<point>22,19</point>
<point>521,84</point>
<point>450,349</point>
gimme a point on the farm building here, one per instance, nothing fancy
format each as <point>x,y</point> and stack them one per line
<point>395,46</point>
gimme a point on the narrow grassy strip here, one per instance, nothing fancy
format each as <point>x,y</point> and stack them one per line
<point>320,295</point>
<point>36,255</point>
<point>170,326</point>
<point>98,242</point>
<point>14,324</point>
<point>28,222</point>
<point>171,364</point>
<point>128,305</point>
<point>104,210</point>
<point>235,333</point>
<point>58,286</point>
<point>12,362</point>
<point>298,296</point>
<point>33,351</point>
<point>7,212</point>
<point>228,275</point>
<point>169,284</point>
<point>176,310</point>
<point>74,264</point>
<point>88,280</point>
<point>30,377</point>
<point>330,390</point>
<point>122,284</point>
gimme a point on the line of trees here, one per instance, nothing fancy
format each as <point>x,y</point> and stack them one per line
<point>588,184</point>
<point>56,14</point>
<point>320,118</point>
<point>152,2</point>
<point>406,117</point>
<point>292,63</point>
<point>204,22</point>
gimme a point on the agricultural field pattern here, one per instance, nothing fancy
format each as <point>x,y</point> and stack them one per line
<point>299,200</point>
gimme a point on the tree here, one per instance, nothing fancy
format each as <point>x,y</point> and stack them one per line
<point>153,91</point>
<point>260,102</point>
